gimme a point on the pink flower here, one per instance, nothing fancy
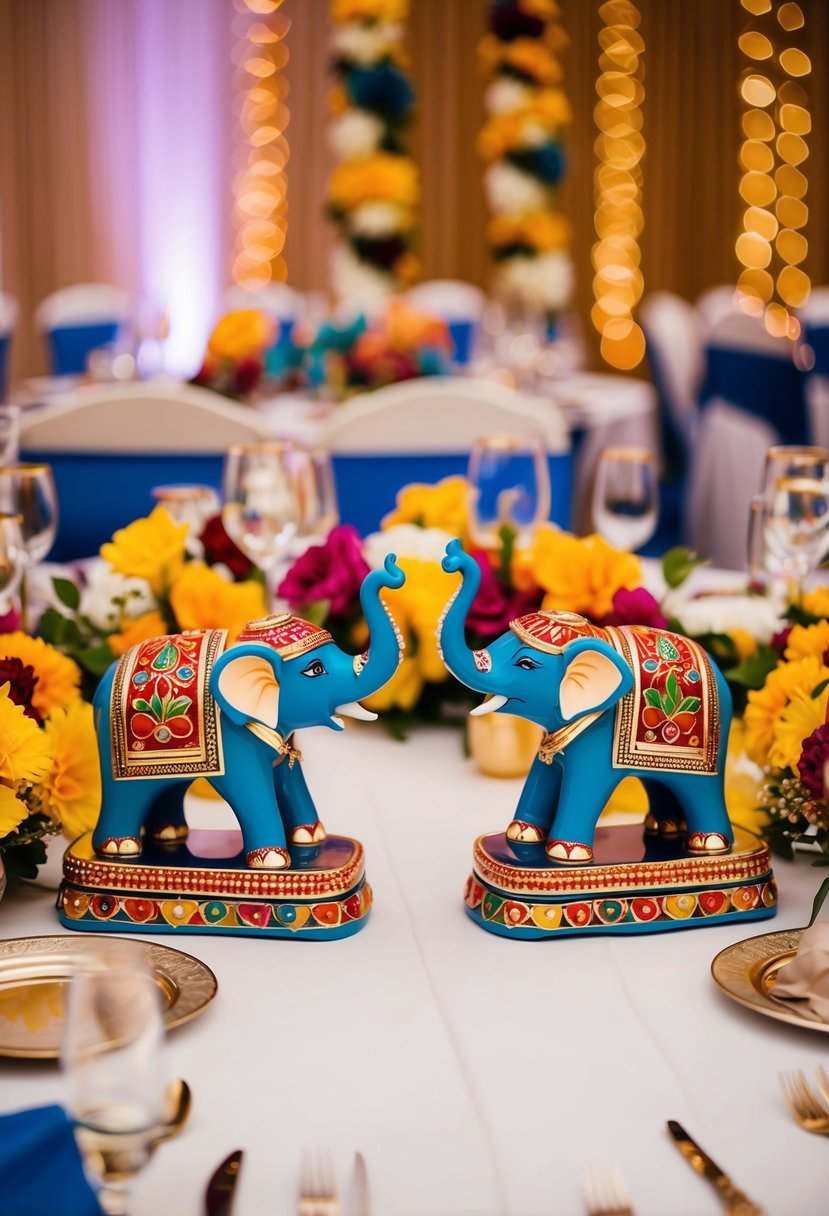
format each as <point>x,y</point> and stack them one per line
<point>813,760</point>
<point>10,621</point>
<point>635,607</point>
<point>496,605</point>
<point>332,571</point>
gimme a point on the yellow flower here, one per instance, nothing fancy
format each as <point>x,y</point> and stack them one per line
<point>241,334</point>
<point>338,100</point>
<point>551,108</point>
<point>150,548</point>
<point>578,574</point>
<point>817,601</point>
<point>382,177</point>
<point>407,328</point>
<point>150,625</point>
<point>13,810</point>
<point>543,230</point>
<point>369,10</point>
<point>73,787</point>
<point>532,58</point>
<point>803,715</point>
<point>444,505</point>
<point>202,599</point>
<point>58,677</point>
<point>540,8</point>
<point>401,692</point>
<point>499,134</point>
<point>745,643</point>
<point>808,639</point>
<point>25,754</point>
<point>765,705</point>
<point>743,783</point>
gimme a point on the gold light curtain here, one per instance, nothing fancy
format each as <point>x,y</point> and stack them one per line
<point>691,125</point>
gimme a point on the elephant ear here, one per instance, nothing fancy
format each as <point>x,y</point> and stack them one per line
<point>594,678</point>
<point>247,689</point>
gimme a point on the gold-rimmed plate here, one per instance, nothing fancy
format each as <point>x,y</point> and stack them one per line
<point>747,971</point>
<point>35,972</point>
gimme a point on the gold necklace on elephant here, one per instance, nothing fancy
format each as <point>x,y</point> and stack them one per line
<point>273,739</point>
<point>555,741</point>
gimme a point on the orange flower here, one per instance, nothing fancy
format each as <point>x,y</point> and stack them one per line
<point>578,574</point>
<point>409,329</point>
<point>150,625</point>
<point>202,599</point>
<point>532,58</point>
<point>444,505</point>
<point>543,230</point>
<point>241,334</point>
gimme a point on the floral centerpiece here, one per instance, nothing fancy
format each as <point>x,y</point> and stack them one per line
<point>374,190</point>
<point>234,362</point>
<point>521,144</point>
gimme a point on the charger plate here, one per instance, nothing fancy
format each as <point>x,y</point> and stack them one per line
<point>34,973</point>
<point>746,973</point>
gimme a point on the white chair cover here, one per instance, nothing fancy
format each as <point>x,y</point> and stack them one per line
<point>672,330</point>
<point>815,315</point>
<point>278,299</point>
<point>8,314</point>
<point>83,304</point>
<point>712,306</point>
<point>450,299</point>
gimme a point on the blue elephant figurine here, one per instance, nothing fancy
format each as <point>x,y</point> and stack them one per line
<point>188,705</point>
<point>614,702</point>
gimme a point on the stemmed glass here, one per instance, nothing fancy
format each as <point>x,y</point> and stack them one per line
<point>510,488</point>
<point>188,504</point>
<point>9,433</point>
<point>787,460</point>
<point>111,1054</point>
<point>29,492</point>
<point>797,525</point>
<point>12,558</point>
<point>317,493</point>
<point>626,497</point>
<point>262,509</point>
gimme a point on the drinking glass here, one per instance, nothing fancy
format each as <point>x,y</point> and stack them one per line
<point>510,488</point>
<point>111,1055</point>
<point>318,493</point>
<point>756,548</point>
<point>797,525</point>
<point>28,491</point>
<point>262,511</point>
<point>788,460</point>
<point>188,504</point>
<point>9,433</point>
<point>626,497</point>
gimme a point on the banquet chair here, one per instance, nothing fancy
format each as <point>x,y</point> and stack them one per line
<point>8,321</point>
<point>461,305</point>
<point>110,444</point>
<point>423,430</point>
<point>77,320</point>
<point>713,305</point>
<point>677,367</point>
<point>814,319</point>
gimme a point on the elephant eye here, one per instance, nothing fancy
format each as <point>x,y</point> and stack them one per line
<point>314,668</point>
<point>527,664</point>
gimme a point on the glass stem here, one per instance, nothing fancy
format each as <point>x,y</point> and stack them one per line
<point>24,600</point>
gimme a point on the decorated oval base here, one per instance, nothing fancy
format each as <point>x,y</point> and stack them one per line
<point>201,886</point>
<point>634,885</point>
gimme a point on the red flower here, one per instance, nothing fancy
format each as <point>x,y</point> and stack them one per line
<point>332,571</point>
<point>246,375</point>
<point>218,547</point>
<point>636,607</point>
<point>813,760</point>
<point>10,621</point>
<point>496,605</point>
<point>21,680</point>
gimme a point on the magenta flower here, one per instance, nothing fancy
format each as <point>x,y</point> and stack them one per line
<point>10,621</point>
<point>332,571</point>
<point>496,605</point>
<point>813,760</point>
<point>636,607</point>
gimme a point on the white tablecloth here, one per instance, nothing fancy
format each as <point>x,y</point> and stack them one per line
<point>477,1075</point>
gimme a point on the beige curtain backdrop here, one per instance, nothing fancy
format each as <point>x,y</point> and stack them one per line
<point>692,208</point>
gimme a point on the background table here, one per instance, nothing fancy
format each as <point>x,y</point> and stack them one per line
<point>477,1075</point>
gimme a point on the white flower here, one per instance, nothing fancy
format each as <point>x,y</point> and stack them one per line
<point>356,281</point>
<point>375,219</point>
<point>511,192</point>
<point>760,615</point>
<point>533,135</point>
<point>406,540</point>
<point>544,282</point>
<point>355,133</point>
<point>365,44</point>
<point>505,95</point>
<point>108,596</point>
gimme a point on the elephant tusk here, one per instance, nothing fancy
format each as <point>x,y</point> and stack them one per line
<point>353,709</point>
<point>488,707</point>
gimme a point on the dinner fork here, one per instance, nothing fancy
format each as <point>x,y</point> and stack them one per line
<point>605,1192</point>
<point>810,1110</point>
<point>317,1187</point>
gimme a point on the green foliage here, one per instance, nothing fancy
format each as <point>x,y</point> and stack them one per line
<point>819,900</point>
<point>679,563</point>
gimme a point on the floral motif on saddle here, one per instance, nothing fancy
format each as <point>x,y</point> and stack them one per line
<point>163,719</point>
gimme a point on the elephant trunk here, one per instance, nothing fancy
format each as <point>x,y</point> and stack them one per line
<point>468,666</point>
<point>380,662</point>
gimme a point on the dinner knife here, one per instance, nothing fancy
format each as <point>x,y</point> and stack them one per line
<point>736,1201</point>
<point>359,1187</point>
<point>218,1199</point>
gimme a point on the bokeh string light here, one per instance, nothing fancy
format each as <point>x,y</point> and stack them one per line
<point>260,211</point>
<point>617,281</point>
<point>771,248</point>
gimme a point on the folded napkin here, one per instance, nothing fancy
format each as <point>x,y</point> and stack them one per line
<point>806,978</point>
<point>40,1166</point>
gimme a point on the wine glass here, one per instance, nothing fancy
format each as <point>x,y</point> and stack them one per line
<point>510,488</point>
<point>12,558</point>
<point>111,1055</point>
<point>756,547</point>
<point>262,512</point>
<point>318,493</point>
<point>29,491</point>
<point>188,504</point>
<point>626,497</point>
<point>9,433</point>
<point>797,525</point>
<point>788,460</point>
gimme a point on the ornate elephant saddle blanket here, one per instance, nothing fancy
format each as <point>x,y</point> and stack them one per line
<point>163,721</point>
<point>670,718</point>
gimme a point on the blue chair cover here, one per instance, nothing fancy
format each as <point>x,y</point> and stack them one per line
<point>367,485</point>
<point>5,343</point>
<point>462,334</point>
<point>40,1166</point>
<point>69,345</point>
<point>769,387</point>
<point>99,492</point>
<point>817,336</point>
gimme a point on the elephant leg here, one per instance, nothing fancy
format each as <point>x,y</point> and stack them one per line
<point>126,805</point>
<point>534,812</point>
<point>299,814</point>
<point>166,822</point>
<point>703,800</point>
<point>665,814</point>
<point>249,788</point>
<point>583,797</point>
